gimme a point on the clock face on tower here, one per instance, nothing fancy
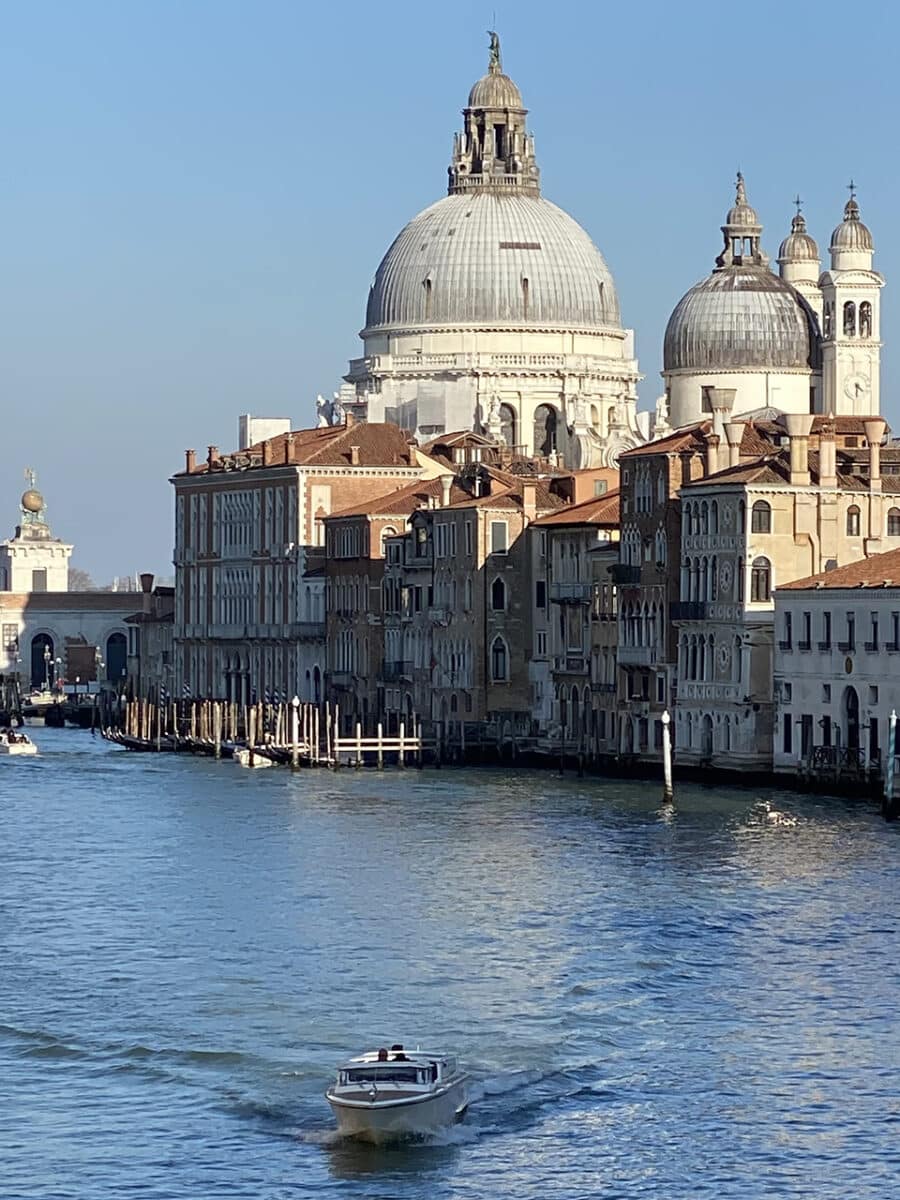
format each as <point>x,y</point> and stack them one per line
<point>856,387</point>
<point>725,578</point>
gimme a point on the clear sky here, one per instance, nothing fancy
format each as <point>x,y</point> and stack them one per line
<point>196,194</point>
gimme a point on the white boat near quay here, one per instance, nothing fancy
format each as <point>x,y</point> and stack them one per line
<point>385,1095</point>
<point>13,742</point>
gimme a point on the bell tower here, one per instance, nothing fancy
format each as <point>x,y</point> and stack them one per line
<point>851,320</point>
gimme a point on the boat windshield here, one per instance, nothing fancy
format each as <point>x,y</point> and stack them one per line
<point>384,1073</point>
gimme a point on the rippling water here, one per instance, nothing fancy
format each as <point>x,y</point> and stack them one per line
<point>696,1006</point>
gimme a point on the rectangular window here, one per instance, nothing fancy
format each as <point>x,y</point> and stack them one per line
<point>873,694</point>
<point>540,643</point>
<point>540,593</point>
<point>39,579</point>
<point>10,637</point>
<point>826,731</point>
<point>873,739</point>
<point>826,693</point>
<point>806,731</point>
<point>469,538</point>
<point>543,543</point>
<point>825,643</point>
<point>787,640</point>
<point>787,692</point>
<point>786,744</point>
<point>849,643</point>
<point>894,643</point>
<point>806,639</point>
<point>660,689</point>
<point>499,537</point>
<point>872,643</point>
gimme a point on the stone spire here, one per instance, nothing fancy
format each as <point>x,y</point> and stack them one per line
<point>742,230</point>
<point>493,151</point>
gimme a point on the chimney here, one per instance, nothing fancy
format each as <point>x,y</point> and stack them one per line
<point>875,428</point>
<point>190,460</point>
<point>147,590</point>
<point>212,455</point>
<point>712,454</point>
<point>267,453</point>
<point>349,419</point>
<point>798,426</point>
<point>289,448</point>
<point>827,455</point>
<point>529,499</point>
<point>734,435</point>
<point>446,485</point>
<point>354,456</point>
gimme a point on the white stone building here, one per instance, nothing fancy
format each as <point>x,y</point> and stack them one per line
<point>34,560</point>
<point>494,311</point>
<point>837,667</point>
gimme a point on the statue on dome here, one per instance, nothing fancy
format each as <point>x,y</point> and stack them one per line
<point>494,64</point>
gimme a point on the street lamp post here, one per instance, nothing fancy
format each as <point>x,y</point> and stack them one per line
<point>47,657</point>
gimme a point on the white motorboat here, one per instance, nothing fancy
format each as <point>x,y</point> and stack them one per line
<point>252,758</point>
<point>16,742</point>
<point>385,1095</point>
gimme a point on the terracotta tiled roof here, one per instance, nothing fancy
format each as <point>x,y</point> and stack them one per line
<point>402,501</point>
<point>681,439</point>
<point>879,571</point>
<point>378,445</point>
<point>599,510</point>
<point>772,468</point>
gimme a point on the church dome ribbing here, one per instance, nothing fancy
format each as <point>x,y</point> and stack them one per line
<point>743,316</point>
<point>493,253</point>
<point>798,246</point>
<point>852,234</point>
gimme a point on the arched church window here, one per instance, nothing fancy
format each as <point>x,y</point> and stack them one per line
<point>893,524</point>
<point>508,424</point>
<point>761,518</point>
<point>544,430</point>
<point>849,319</point>
<point>853,521</point>
<point>865,319</point>
<point>761,581</point>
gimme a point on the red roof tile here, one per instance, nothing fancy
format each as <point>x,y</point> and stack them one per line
<point>879,571</point>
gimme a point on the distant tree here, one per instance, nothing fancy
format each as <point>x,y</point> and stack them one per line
<point>80,581</point>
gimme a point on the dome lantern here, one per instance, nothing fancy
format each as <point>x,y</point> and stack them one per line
<point>742,230</point>
<point>493,152</point>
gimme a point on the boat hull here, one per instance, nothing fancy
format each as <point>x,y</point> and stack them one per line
<point>388,1121</point>
<point>18,748</point>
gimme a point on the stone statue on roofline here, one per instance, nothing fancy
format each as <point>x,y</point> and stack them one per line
<point>494,64</point>
<point>324,412</point>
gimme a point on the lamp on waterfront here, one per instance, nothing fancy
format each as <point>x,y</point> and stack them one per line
<point>295,731</point>
<point>47,658</point>
<point>57,673</point>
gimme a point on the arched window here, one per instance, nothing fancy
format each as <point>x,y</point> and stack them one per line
<point>116,657</point>
<point>544,429</point>
<point>761,581</point>
<point>865,319</point>
<point>499,661</point>
<point>893,527</point>
<point>498,595</point>
<point>761,518</point>
<point>508,424</point>
<point>853,521</point>
<point>849,319</point>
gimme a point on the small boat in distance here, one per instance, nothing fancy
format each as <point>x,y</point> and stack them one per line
<point>16,742</point>
<point>385,1095</point>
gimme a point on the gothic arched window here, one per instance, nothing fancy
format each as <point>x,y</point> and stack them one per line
<point>498,595</point>
<point>499,661</point>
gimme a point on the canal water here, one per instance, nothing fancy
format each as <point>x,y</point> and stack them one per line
<point>696,1005</point>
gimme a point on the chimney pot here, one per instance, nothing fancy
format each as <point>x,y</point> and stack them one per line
<point>289,448</point>
<point>446,484</point>
<point>349,419</point>
<point>798,426</point>
<point>190,460</point>
<point>212,455</point>
<point>354,456</point>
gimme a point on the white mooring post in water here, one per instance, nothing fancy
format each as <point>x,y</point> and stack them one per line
<point>668,791</point>
<point>295,731</point>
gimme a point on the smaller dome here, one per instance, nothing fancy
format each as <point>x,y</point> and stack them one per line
<point>741,214</point>
<point>852,234</point>
<point>495,90</point>
<point>798,246</point>
<point>32,501</point>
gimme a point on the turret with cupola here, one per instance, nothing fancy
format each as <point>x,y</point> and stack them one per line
<point>851,319</point>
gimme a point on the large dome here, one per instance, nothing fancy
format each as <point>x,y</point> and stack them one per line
<point>739,319</point>
<point>484,258</point>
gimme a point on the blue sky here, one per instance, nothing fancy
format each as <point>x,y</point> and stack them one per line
<point>196,194</point>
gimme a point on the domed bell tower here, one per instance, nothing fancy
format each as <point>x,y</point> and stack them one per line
<point>851,320</point>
